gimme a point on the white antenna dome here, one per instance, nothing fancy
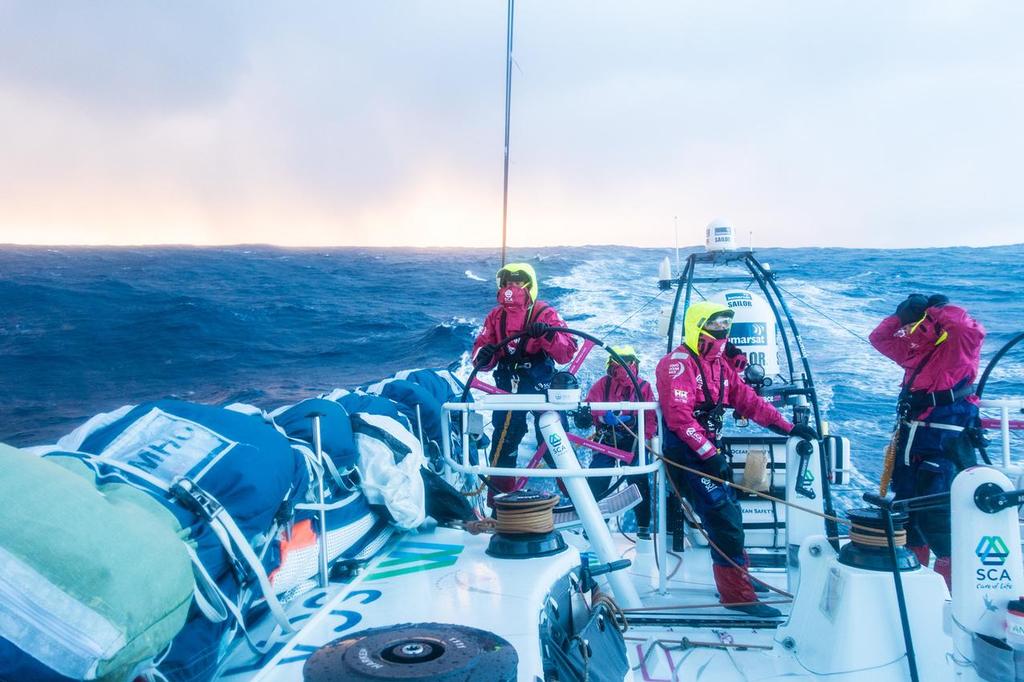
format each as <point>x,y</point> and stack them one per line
<point>719,236</point>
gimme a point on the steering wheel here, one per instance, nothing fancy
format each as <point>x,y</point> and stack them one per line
<point>561,330</point>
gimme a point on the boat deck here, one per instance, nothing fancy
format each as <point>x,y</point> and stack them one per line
<point>445,576</point>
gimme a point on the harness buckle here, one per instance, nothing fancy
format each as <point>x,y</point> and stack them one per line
<point>195,499</point>
<point>351,480</point>
<point>515,383</point>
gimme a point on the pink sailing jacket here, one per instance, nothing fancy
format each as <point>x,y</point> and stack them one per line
<point>680,391</point>
<point>948,337</point>
<point>505,320</point>
<point>618,387</point>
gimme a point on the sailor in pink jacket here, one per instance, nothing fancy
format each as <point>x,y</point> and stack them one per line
<point>619,428</point>
<point>525,365</point>
<point>696,382</point>
<point>939,347</point>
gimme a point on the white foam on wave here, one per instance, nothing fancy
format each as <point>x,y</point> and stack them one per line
<point>458,321</point>
<point>608,293</point>
<point>475,278</point>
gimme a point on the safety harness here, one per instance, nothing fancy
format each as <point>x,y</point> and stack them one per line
<point>516,359</point>
<point>614,432</point>
<point>916,402</point>
<point>709,414</point>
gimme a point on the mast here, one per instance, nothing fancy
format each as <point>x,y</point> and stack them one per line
<point>508,110</point>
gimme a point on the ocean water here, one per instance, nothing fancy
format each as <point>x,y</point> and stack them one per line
<point>84,330</point>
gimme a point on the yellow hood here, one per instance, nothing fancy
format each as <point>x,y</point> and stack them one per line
<point>524,268</point>
<point>697,316</point>
<point>623,352</point>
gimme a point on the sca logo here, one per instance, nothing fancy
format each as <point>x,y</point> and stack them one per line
<point>992,550</point>
<point>556,441</point>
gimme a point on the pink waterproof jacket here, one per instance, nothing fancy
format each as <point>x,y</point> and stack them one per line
<point>948,337</point>
<point>619,387</point>
<point>504,321</point>
<point>680,391</point>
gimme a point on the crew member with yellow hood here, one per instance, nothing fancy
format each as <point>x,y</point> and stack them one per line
<point>696,382</point>
<point>525,365</point>
<point>618,429</point>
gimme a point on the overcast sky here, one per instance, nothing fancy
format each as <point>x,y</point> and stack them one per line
<point>381,123</point>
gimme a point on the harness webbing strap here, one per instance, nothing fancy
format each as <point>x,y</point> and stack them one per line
<point>920,399</point>
<point>709,410</point>
<point>531,314</point>
<point>206,506</point>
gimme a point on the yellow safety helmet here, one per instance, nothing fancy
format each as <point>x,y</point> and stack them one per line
<point>698,315</point>
<point>519,272</point>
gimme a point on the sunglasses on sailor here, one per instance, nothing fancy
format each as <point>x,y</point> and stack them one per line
<point>718,323</point>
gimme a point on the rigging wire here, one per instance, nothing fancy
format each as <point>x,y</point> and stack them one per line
<point>825,315</point>
<point>508,116</point>
<point>633,314</point>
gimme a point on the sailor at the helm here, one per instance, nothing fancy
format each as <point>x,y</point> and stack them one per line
<point>525,365</point>
<point>939,347</point>
<point>618,429</point>
<point>696,382</point>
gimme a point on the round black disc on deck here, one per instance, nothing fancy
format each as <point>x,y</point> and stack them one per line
<point>420,652</point>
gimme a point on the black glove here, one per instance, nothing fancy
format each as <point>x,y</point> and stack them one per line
<point>535,330</point>
<point>804,431</point>
<point>485,355</point>
<point>717,465</point>
<point>732,350</point>
<point>583,418</point>
<point>912,309</point>
<point>937,300</point>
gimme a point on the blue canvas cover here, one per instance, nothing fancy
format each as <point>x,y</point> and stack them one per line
<point>408,396</point>
<point>242,460</point>
<point>432,381</point>
<point>335,429</point>
<point>356,402</point>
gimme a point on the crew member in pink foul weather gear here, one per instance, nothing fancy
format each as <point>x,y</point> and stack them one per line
<point>696,382</point>
<point>525,365</point>
<point>939,347</point>
<point>618,428</point>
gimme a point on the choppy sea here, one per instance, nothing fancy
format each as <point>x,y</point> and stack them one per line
<point>84,330</point>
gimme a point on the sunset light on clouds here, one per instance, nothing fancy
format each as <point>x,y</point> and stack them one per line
<point>381,123</point>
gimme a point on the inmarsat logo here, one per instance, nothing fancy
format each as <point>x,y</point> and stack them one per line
<point>992,550</point>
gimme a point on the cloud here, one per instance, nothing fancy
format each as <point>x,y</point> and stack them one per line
<point>381,123</point>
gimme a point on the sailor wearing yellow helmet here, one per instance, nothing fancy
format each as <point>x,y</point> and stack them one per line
<point>525,365</point>
<point>618,429</point>
<point>696,382</point>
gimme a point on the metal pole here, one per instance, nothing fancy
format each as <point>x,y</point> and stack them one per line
<point>508,118</point>
<point>1004,430</point>
<point>675,222</point>
<point>419,428</point>
<point>586,506</point>
<point>322,579</point>
<point>900,598</point>
<point>662,548</point>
